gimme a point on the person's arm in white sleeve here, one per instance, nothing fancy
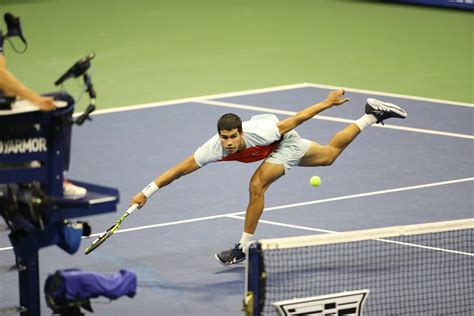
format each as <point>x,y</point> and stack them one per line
<point>210,151</point>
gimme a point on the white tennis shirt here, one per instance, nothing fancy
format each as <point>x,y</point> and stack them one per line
<point>261,137</point>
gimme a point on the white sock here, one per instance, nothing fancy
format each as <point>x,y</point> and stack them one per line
<point>245,241</point>
<point>365,121</point>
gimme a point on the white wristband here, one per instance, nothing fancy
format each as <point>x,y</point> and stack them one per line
<point>150,189</point>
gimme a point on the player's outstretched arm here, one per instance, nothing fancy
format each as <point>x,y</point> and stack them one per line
<point>333,98</point>
<point>183,168</point>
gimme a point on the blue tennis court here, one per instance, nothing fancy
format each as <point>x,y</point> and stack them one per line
<point>409,171</point>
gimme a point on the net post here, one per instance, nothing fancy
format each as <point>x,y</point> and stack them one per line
<point>255,280</point>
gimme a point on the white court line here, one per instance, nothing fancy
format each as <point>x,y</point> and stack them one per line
<point>346,197</point>
<point>194,99</point>
<point>287,225</point>
<point>339,198</point>
<point>378,239</point>
<point>333,119</point>
<point>263,90</point>
<point>387,94</point>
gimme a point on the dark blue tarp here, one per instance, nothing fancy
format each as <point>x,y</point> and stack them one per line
<point>71,284</point>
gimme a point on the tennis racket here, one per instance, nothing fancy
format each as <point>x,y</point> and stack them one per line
<point>109,232</point>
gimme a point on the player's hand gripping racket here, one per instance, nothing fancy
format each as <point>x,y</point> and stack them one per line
<point>109,232</point>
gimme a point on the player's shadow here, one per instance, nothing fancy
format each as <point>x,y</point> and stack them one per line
<point>237,269</point>
<point>233,287</point>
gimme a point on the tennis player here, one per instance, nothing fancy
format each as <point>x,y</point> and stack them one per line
<point>280,147</point>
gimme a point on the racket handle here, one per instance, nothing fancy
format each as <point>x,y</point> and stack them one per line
<point>132,208</point>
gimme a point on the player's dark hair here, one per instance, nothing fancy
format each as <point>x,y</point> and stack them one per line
<point>228,122</point>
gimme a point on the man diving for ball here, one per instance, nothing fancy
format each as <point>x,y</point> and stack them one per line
<point>280,147</point>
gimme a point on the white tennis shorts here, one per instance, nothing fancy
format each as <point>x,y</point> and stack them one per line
<point>290,150</point>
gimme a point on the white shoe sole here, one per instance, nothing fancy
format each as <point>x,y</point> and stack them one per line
<point>228,265</point>
<point>380,105</point>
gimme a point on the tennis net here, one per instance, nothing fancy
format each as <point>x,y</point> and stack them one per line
<point>425,269</point>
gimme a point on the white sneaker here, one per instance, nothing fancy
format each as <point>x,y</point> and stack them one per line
<point>384,110</point>
<point>72,191</point>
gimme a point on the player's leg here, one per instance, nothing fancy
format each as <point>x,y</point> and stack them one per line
<point>263,177</point>
<point>318,155</point>
<point>287,155</point>
<point>376,112</point>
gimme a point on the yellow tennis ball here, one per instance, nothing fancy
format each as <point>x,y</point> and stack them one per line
<point>315,181</point>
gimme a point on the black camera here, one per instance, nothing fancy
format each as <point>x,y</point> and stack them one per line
<point>13,26</point>
<point>77,70</point>
<point>13,29</point>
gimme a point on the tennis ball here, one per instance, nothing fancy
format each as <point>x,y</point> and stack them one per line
<point>315,181</point>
